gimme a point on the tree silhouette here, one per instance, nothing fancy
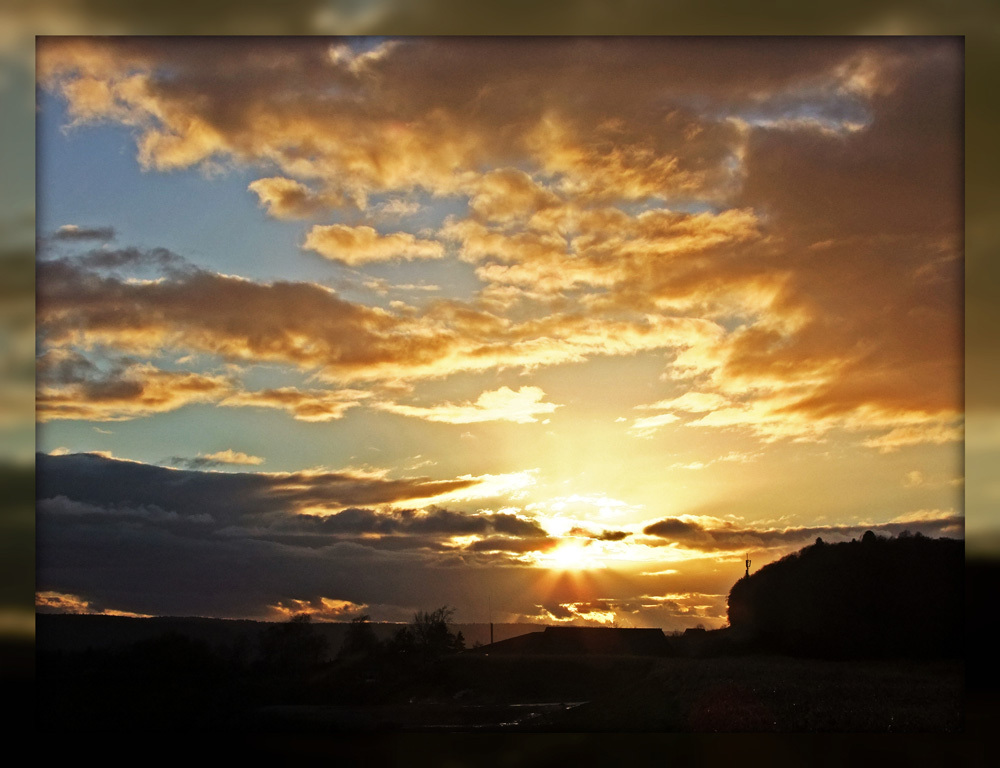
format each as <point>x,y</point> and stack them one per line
<point>293,645</point>
<point>360,640</point>
<point>428,634</point>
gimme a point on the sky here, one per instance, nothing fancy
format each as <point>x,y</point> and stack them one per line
<point>554,330</point>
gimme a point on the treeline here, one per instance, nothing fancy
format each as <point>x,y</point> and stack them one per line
<point>877,597</point>
<point>176,681</point>
<point>427,635</point>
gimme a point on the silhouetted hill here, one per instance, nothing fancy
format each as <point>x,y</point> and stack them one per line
<point>877,597</point>
<point>75,632</point>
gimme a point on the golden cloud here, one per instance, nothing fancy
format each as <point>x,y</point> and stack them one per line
<point>409,114</point>
<point>318,608</point>
<point>138,390</point>
<point>289,199</point>
<point>309,405</point>
<point>62,602</point>
<point>363,245</point>
<point>791,234</point>
<point>229,456</point>
<point>504,404</point>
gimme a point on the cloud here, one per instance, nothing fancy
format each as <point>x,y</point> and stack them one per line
<point>309,326</point>
<point>228,457</point>
<point>605,535</point>
<point>298,323</point>
<point>926,516</point>
<point>235,543</point>
<point>129,259</point>
<point>317,608</point>
<point>648,425</point>
<point>289,199</point>
<point>432,521</point>
<point>357,62</point>
<point>504,404</point>
<point>363,245</point>
<point>916,434</point>
<point>309,405</point>
<point>71,387</point>
<point>791,235</point>
<point>430,114</point>
<point>74,233</point>
<point>715,535</point>
<point>57,602</point>
<point>690,402</point>
<point>244,496</point>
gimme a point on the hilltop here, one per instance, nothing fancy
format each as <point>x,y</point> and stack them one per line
<point>873,597</point>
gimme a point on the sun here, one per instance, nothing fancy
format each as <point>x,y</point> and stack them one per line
<point>570,555</point>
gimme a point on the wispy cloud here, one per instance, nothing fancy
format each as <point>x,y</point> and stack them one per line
<point>522,407</point>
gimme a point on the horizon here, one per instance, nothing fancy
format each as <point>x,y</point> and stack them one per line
<point>555,330</point>
<point>51,605</point>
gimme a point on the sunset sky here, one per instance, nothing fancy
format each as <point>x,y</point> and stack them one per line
<point>564,327</point>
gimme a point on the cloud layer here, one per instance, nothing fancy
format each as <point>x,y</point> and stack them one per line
<point>791,235</point>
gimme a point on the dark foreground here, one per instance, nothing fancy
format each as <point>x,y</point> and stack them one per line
<point>748,694</point>
<point>476,692</point>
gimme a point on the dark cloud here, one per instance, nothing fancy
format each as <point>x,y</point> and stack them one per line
<point>727,536</point>
<point>432,521</point>
<point>536,543</point>
<point>230,497</point>
<point>605,535</point>
<point>177,541</point>
<point>162,259</point>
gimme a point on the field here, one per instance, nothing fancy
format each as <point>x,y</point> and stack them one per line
<point>178,687</point>
<point>635,694</point>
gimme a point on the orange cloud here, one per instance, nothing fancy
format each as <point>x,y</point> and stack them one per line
<point>138,390</point>
<point>791,233</point>
<point>363,245</point>
<point>319,608</point>
<point>431,113</point>
<point>310,327</point>
<point>61,602</point>
<point>311,405</point>
<point>289,199</point>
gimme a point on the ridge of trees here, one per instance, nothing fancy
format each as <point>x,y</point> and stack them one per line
<point>877,597</point>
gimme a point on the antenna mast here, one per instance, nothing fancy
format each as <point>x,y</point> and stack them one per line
<point>748,564</point>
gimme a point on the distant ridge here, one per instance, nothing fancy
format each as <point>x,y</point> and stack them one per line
<point>585,640</point>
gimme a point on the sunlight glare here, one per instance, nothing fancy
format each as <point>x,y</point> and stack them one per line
<point>570,556</point>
